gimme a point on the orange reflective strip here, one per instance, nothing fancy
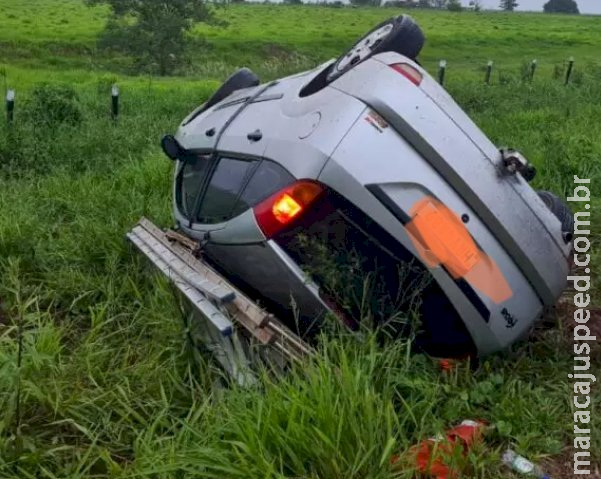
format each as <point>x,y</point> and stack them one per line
<point>441,238</point>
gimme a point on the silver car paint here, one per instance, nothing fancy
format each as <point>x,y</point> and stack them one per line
<point>470,168</point>
<point>405,178</point>
<point>324,136</point>
<point>238,245</point>
<point>446,103</point>
<point>272,272</point>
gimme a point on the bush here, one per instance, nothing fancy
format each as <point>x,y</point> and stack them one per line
<point>561,6</point>
<point>54,104</point>
<point>154,35</point>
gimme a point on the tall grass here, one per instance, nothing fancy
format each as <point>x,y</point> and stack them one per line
<point>97,378</point>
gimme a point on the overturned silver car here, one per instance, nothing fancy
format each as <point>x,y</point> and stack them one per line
<point>368,153</point>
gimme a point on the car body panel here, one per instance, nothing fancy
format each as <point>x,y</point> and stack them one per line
<point>446,103</point>
<point>369,157</point>
<point>374,128</point>
<point>473,174</point>
<point>266,268</point>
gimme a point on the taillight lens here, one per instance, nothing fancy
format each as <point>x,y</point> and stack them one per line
<point>285,208</point>
<point>281,208</point>
<point>409,72</point>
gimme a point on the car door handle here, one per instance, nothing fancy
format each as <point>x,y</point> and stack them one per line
<point>255,135</point>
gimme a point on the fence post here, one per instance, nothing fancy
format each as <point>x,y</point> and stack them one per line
<point>442,66</point>
<point>569,72</point>
<point>10,105</point>
<point>488,72</point>
<point>532,69</point>
<point>115,102</point>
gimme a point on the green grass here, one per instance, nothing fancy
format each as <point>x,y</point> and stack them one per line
<point>275,41</point>
<point>107,385</point>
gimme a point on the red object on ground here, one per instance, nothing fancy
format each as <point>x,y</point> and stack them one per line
<point>447,365</point>
<point>433,456</point>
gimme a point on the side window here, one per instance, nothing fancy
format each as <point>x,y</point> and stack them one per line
<point>190,180</point>
<point>224,188</point>
<point>267,179</point>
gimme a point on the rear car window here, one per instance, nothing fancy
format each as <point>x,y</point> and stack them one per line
<point>268,179</point>
<point>224,189</point>
<point>191,178</point>
<point>235,186</point>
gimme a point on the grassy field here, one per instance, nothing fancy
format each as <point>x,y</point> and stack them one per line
<point>105,384</point>
<point>59,41</point>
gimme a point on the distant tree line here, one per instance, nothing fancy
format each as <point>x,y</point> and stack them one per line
<point>552,6</point>
<point>508,5</point>
<point>452,5</point>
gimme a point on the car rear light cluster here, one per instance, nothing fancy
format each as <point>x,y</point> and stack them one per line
<point>280,209</point>
<point>411,73</point>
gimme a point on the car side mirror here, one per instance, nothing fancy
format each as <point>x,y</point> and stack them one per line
<point>171,147</point>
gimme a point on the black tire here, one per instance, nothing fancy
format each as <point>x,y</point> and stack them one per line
<point>559,209</point>
<point>405,37</point>
<point>242,78</point>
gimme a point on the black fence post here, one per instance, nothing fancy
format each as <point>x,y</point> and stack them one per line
<point>532,69</point>
<point>570,68</point>
<point>442,67</point>
<point>488,72</point>
<point>115,102</point>
<point>10,105</point>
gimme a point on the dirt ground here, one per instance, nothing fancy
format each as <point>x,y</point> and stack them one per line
<point>562,467</point>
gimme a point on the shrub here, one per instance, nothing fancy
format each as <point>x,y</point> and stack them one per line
<point>155,35</point>
<point>54,104</point>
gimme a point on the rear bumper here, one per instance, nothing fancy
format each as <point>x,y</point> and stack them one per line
<point>456,149</point>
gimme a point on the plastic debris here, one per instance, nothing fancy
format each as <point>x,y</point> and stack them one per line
<point>522,465</point>
<point>434,456</point>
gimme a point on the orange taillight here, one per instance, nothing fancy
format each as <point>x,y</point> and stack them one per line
<point>285,208</point>
<point>277,211</point>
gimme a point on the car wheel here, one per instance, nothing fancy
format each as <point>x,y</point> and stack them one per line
<point>398,34</point>
<point>559,209</point>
